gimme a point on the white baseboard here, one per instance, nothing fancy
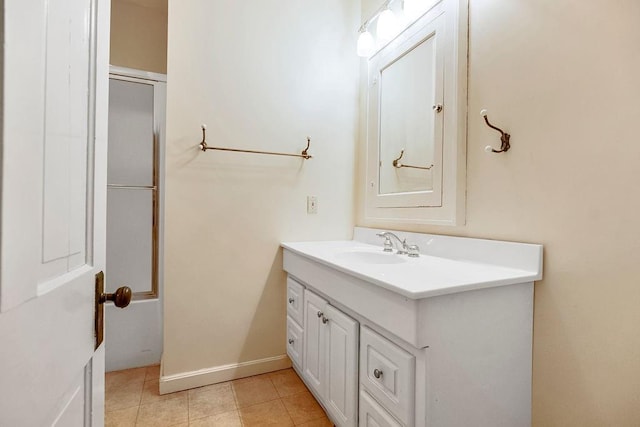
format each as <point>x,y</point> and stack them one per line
<point>218,374</point>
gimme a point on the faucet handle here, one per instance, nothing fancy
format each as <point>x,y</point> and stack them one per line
<point>414,251</point>
<point>388,246</point>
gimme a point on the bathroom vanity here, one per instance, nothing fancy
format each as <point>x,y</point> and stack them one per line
<point>443,339</point>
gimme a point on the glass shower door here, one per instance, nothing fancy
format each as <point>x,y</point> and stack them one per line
<point>132,191</point>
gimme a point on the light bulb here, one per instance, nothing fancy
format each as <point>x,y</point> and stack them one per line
<point>366,44</point>
<point>388,26</point>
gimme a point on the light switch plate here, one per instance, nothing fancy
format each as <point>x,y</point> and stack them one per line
<point>312,204</point>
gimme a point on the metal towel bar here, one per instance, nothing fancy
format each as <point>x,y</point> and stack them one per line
<point>204,147</point>
<point>397,164</point>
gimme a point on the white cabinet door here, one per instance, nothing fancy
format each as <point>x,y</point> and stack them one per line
<point>313,367</point>
<point>330,358</point>
<point>341,353</point>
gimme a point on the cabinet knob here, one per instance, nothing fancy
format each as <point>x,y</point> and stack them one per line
<point>438,108</point>
<point>291,341</point>
<point>320,314</point>
<point>291,300</point>
<point>325,320</point>
<point>377,373</point>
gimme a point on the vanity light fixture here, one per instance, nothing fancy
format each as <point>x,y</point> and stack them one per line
<point>386,28</point>
<point>389,24</point>
<point>366,44</point>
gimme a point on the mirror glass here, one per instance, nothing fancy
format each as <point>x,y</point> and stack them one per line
<point>407,121</point>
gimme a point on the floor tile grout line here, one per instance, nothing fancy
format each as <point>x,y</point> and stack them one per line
<point>288,412</point>
<point>137,415</point>
<point>188,408</point>
<point>257,403</point>
<point>266,401</point>
<point>261,403</point>
<point>214,415</point>
<point>235,401</point>
<point>295,394</point>
<point>324,414</point>
<point>280,398</point>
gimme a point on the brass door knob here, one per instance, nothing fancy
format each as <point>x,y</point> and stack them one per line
<point>121,297</point>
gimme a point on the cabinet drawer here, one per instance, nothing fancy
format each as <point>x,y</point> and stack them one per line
<point>295,305</point>
<point>294,342</point>
<point>374,415</point>
<point>388,373</point>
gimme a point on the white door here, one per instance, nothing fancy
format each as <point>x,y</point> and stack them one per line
<point>341,366</point>
<point>52,212</point>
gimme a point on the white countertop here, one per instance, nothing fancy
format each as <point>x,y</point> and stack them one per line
<point>429,275</point>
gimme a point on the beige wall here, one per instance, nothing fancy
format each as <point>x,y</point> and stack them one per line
<point>262,76</point>
<point>139,34</point>
<point>563,78</point>
<point>560,76</point>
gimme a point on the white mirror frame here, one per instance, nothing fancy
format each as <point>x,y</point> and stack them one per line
<point>454,37</point>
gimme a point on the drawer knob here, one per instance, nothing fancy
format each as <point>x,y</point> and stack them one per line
<point>291,300</point>
<point>325,320</point>
<point>377,373</point>
<point>320,314</point>
<point>291,341</point>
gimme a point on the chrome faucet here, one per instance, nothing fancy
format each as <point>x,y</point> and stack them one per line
<point>403,248</point>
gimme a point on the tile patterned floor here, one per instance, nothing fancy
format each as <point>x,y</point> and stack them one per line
<point>275,399</point>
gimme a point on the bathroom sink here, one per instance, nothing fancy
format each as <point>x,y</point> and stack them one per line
<point>446,265</point>
<point>369,257</point>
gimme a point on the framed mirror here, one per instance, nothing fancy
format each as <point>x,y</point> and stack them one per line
<point>416,126</point>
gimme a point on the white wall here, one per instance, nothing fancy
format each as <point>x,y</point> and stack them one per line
<point>139,34</point>
<point>262,75</point>
<point>562,78</point>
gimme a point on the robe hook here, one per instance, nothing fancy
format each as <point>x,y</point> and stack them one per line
<point>504,137</point>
